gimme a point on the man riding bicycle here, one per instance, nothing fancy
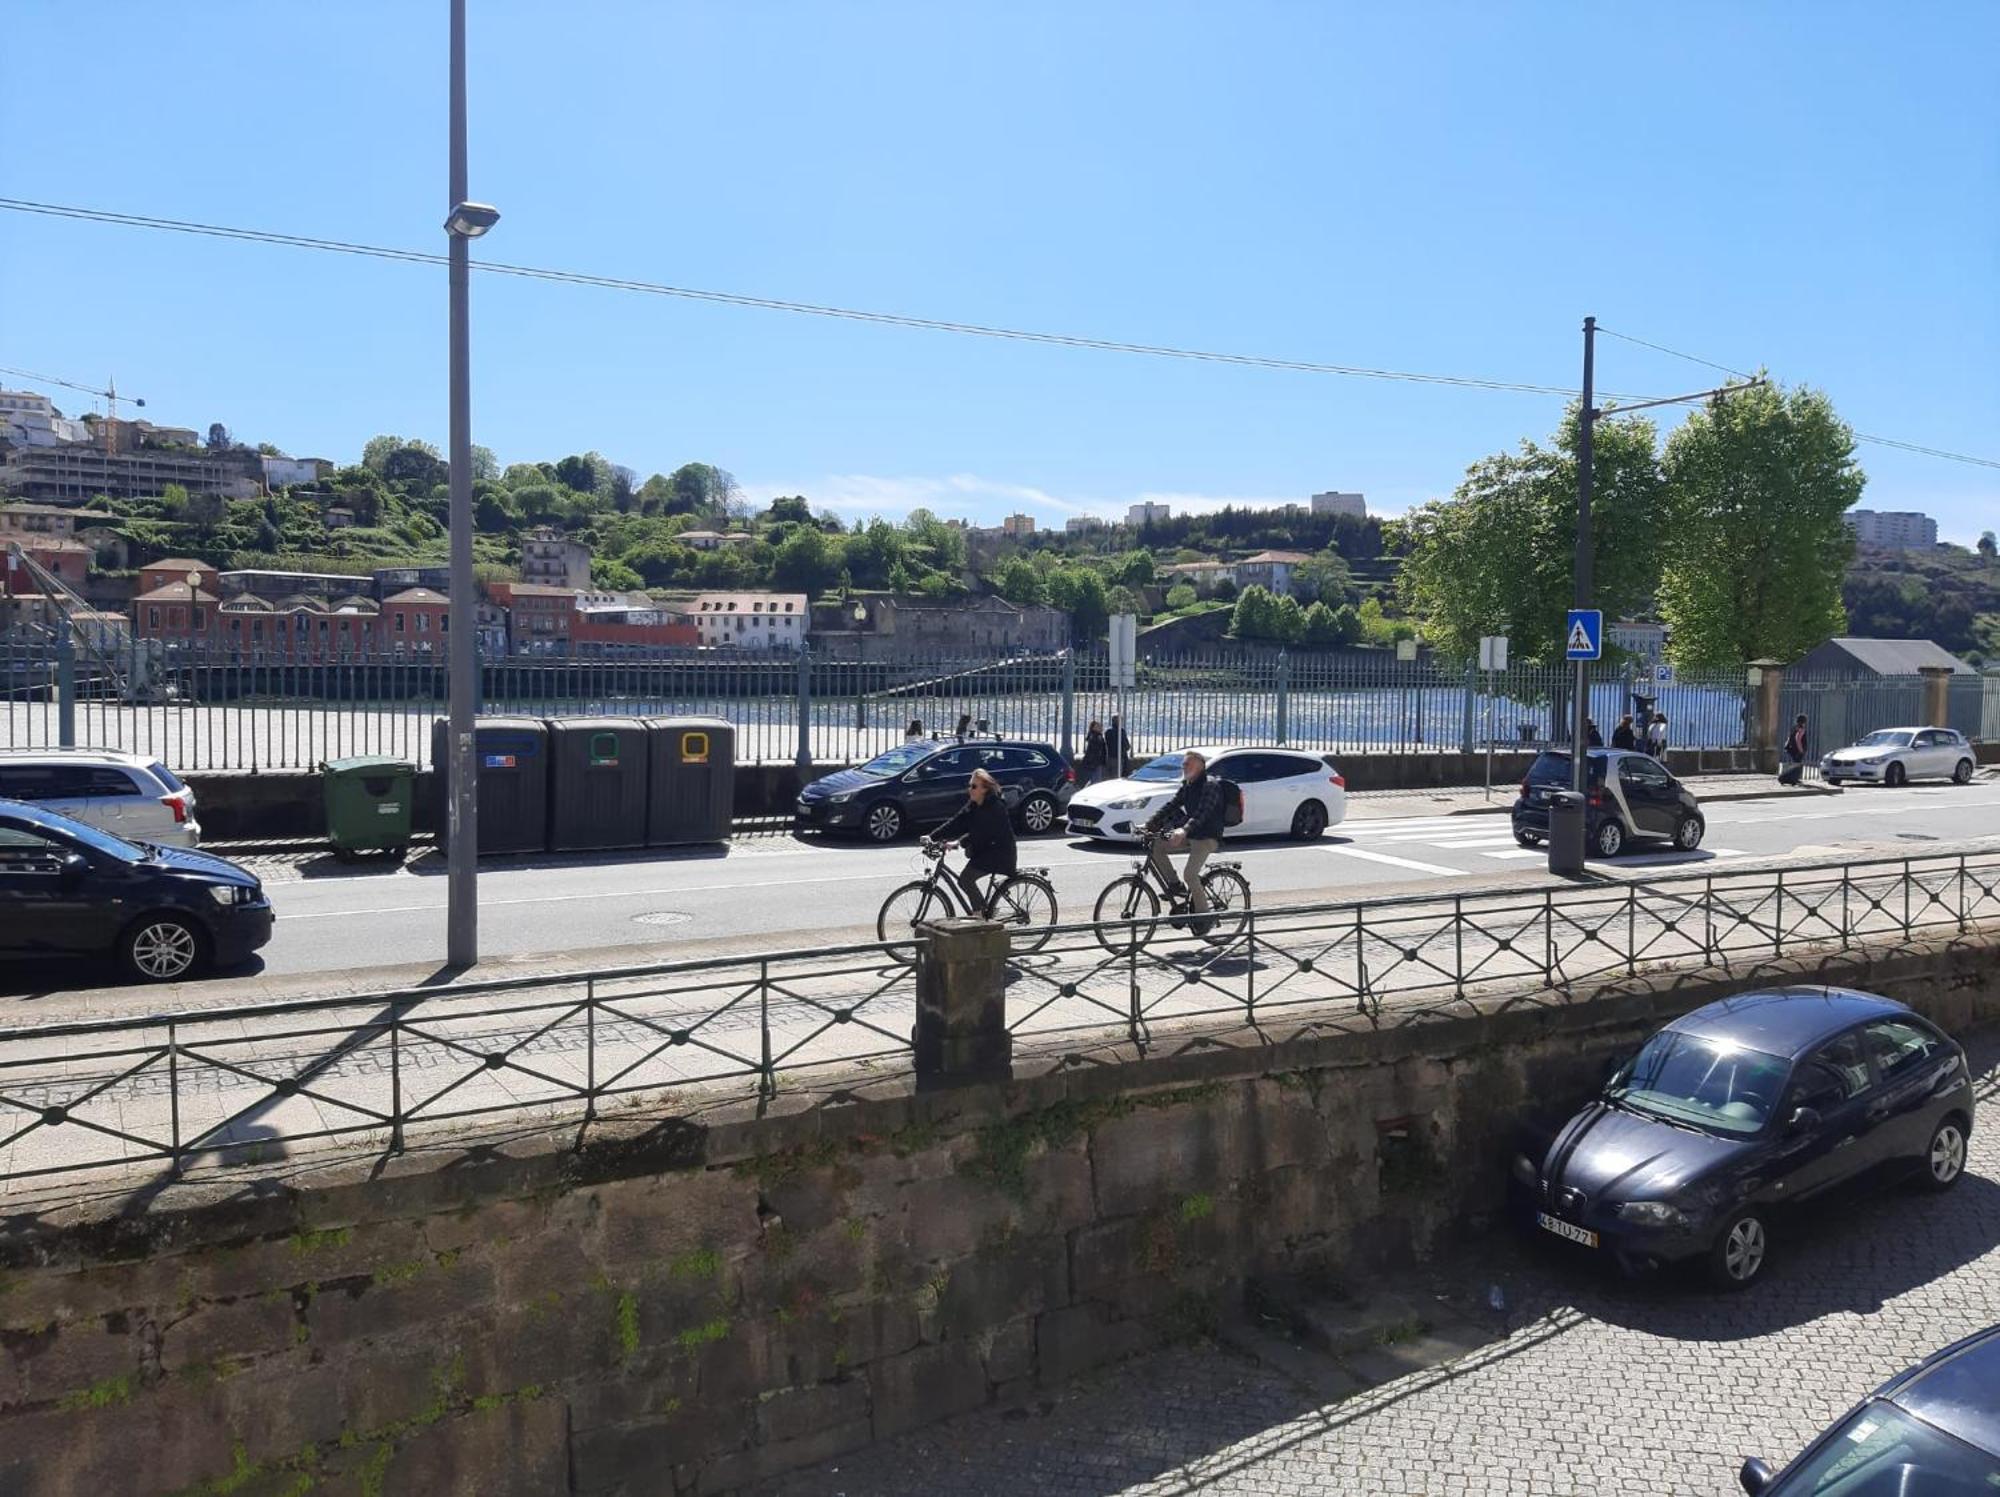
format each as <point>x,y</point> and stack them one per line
<point>1197,810</point>
<point>988,832</point>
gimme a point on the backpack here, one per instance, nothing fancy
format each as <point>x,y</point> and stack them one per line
<point>1232,801</point>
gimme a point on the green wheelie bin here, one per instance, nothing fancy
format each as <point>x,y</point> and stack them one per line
<point>368,804</point>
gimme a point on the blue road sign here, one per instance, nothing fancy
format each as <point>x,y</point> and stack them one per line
<point>1584,634</point>
<point>1663,674</point>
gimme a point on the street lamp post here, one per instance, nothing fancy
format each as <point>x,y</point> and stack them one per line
<point>467,221</point>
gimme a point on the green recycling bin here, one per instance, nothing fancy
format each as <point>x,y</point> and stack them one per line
<point>368,801</point>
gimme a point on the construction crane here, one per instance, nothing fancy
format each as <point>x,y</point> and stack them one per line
<point>69,605</point>
<point>109,396</point>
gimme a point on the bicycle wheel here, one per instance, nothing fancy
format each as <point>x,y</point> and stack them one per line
<point>1125,899</point>
<point>1228,906</point>
<point>895,927</point>
<point>1026,905</point>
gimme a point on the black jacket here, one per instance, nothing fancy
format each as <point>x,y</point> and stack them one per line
<point>988,833</point>
<point>1117,750</point>
<point>1593,738</point>
<point>1198,803</point>
<point>1622,737</point>
<point>1093,750</point>
<point>1795,746</point>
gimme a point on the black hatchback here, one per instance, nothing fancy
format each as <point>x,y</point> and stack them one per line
<point>1630,798</point>
<point>923,782</point>
<point>1733,1113</point>
<point>67,889</point>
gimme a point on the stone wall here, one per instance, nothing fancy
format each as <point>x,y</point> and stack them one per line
<point>684,1305</point>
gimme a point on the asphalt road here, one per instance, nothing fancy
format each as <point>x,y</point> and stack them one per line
<point>779,891</point>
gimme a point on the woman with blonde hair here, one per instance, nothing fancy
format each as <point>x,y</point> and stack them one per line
<point>988,834</point>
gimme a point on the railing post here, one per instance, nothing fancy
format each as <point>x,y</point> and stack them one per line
<point>1778,918</point>
<point>65,688</point>
<point>803,759</point>
<point>589,1049</point>
<point>767,1075</point>
<point>1468,717</point>
<point>1631,930</point>
<point>174,1089</point>
<point>1284,695</point>
<point>1069,703</point>
<point>1458,941</point>
<point>961,1028</point>
<point>395,1079</point>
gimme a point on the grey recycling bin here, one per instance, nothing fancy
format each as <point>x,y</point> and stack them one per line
<point>511,754</point>
<point>693,779</point>
<point>1566,833</point>
<point>597,783</point>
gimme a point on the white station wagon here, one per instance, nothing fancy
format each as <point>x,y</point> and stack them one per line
<point>1892,756</point>
<point>129,795</point>
<point>1286,792</point>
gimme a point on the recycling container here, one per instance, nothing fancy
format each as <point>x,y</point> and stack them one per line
<point>512,759</point>
<point>597,784</point>
<point>1566,834</point>
<point>693,764</point>
<point>368,804</point>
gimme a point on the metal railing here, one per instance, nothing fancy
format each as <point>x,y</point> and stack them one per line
<point>226,708</point>
<point>234,1085</point>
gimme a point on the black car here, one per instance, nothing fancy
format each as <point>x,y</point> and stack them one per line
<point>1736,1111</point>
<point>1934,1430</point>
<point>1630,798</point>
<point>67,889</point>
<point>924,782</point>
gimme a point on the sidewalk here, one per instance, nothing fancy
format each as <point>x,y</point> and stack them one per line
<point>1472,800</point>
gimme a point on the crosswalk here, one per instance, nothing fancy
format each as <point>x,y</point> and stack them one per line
<point>1476,840</point>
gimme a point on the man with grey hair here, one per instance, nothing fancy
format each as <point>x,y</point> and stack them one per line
<point>1192,820</point>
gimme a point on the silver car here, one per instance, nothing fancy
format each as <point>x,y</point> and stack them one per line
<point>131,795</point>
<point>1893,756</point>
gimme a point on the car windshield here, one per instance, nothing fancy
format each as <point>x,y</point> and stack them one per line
<point>1709,1083</point>
<point>1166,767</point>
<point>1882,1449</point>
<point>167,777</point>
<point>1885,738</point>
<point>898,759</point>
<point>91,837</point>
<point>1553,768</point>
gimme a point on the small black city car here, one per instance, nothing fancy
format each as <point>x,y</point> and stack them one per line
<point>1737,1111</point>
<point>67,889</point>
<point>1631,798</point>
<point>1932,1430</point>
<point>921,783</point>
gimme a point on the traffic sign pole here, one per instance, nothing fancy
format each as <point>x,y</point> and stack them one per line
<point>1585,554</point>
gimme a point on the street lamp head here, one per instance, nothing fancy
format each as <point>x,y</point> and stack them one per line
<point>470,220</point>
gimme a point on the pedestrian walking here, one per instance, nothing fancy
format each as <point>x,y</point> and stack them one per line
<point>1797,747</point>
<point>1656,737</point>
<point>964,729</point>
<point>914,731</point>
<point>1591,737</point>
<point>1090,768</point>
<point>1117,748</point>
<point>1622,736</point>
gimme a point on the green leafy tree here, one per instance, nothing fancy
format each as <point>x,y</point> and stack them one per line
<point>375,451</point>
<point>586,472</point>
<point>1018,582</point>
<point>484,464</point>
<point>1180,596</point>
<point>520,475</point>
<point>539,503</point>
<point>1134,569</point>
<point>1256,615</point>
<point>807,561</point>
<point>1329,628</point>
<point>1325,579</point>
<point>945,543</point>
<point>605,572</point>
<point>872,552</point>
<point>415,464</point>
<point>789,509</point>
<point>1756,544</point>
<point>1988,547</point>
<point>701,488</point>
<point>218,437</point>
<point>1498,557</point>
<point>1289,625</point>
<point>1080,592</point>
<point>1377,628</point>
<point>493,509</point>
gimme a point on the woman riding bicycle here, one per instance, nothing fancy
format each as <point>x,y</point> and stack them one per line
<point>988,833</point>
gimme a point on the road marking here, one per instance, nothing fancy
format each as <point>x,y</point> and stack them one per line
<point>1395,862</point>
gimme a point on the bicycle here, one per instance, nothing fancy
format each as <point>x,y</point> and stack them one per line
<point>1128,911</point>
<point>1024,901</point>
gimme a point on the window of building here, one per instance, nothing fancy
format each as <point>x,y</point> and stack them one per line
<point>201,618</point>
<point>153,619</point>
<point>423,623</point>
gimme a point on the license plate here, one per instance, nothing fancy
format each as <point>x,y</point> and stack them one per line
<point>1563,1229</point>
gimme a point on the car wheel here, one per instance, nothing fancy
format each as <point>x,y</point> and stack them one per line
<point>1687,834</point>
<point>1038,813</point>
<point>1895,775</point>
<point>1742,1248</point>
<point>1527,839</point>
<point>1944,1159</point>
<point>884,822</point>
<point>1961,773</point>
<point>1309,821</point>
<point>161,948</point>
<point>1610,838</point>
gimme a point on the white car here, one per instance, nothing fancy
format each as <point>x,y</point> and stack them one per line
<point>130,795</point>
<point>1286,792</point>
<point>1891,756</point>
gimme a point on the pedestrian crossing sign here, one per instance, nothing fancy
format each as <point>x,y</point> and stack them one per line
<point>1585,635</point>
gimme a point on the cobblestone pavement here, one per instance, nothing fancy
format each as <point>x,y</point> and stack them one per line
<point>1592,1386</point>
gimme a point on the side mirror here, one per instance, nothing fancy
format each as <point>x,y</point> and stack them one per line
<point>1755,1476</point>
<point>1803,1120</point>
<point>75,868</point>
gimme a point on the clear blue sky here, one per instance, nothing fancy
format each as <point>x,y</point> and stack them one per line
<point>1444,187</point>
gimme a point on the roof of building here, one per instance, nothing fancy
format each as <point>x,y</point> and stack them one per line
<point>355,603</point>
<point>301,603</point>
<point>57,543</point>
<point>417,595</point>
<point>1886,657</point>
<point>175,592</point>
<point>246,603</point>
<point>1294,557</point>
<point>178,564</point>
<point>539,590</point>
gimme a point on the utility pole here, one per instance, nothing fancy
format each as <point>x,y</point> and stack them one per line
<point>1580,713</point>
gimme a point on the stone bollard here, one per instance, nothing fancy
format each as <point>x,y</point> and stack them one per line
<point>961,1030</point>
<point>1767,678</point>
<point>1937,695</point>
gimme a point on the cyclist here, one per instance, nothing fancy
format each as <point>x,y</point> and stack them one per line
<point>1197,811</point>
<point>989,836</point>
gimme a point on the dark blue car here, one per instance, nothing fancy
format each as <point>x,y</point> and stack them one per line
<point>1737,1111</point>
<point>67,889</point>
<point>1933,1430</point>
<point>923,782</point>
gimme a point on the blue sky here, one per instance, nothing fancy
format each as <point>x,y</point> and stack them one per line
<point>1434,187</point>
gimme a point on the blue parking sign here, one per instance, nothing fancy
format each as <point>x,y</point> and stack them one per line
<point>1584,635</point>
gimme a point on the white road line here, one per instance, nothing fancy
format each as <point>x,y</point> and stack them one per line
<point>1395,862</point>
<point>1517,852</point>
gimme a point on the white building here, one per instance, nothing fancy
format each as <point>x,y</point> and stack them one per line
<point>1140,515</point>
<point>1082,524</point>
<point>31,420</point>
<point>750,621</point>
<point>1333,502</point>
<point>283,472</point>
<point>1899,530</point>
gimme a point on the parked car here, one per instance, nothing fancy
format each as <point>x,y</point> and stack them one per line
<point>1631,798</point>
<point>1286,791</point>
<point>1734,1113</point>
<point>1932,1429</point>
<point>922,782</point>
<point>1894,756</point>
<point>132,795</point>
<point>71,889</point>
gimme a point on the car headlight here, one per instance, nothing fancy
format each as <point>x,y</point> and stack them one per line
<point>841,797</point>
<point>1524,1169</point>
<point>1652,1214</point>
<point>1130,803</point>
<point>232,894</point>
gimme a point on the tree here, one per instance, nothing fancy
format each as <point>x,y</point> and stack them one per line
<point>375,452</point>
<point>1018,582</point>
<point>1180,596</point>
<point>1498,557</point>
<point>615,575</point>
<point>807,561</point>
<point>1080,592</point>
<point>416,464</point>
<point>871,553</point>
<point>1290,624</point>
<point>484,463</point>
<point>789,509</point>
<point>1256,615</point>
<point>946,543</point>
<point>701,487</point>
<point>218,437</point>
<point>1330,628</point>
<point>539,503</point>
<point>1756,544</point>
<point>492,509</point>
<point>520,475</point>
<point>1987,545</point>
<point>1325,579</point>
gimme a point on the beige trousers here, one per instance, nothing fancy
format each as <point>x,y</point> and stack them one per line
<point>1198,850</point>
